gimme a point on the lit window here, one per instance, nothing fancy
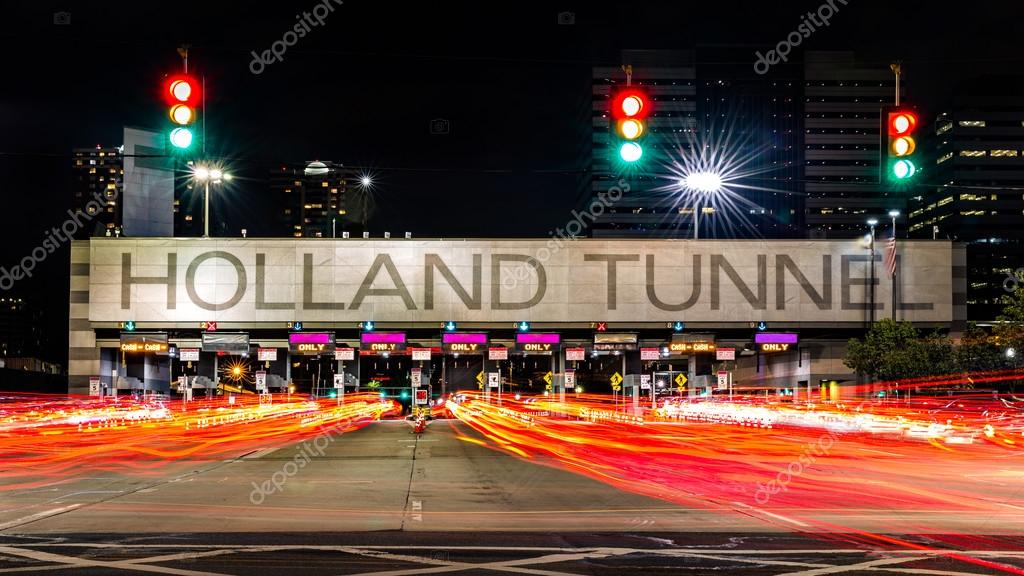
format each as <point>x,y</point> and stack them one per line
<point>973,153</point>
<point>188,218</point>
<point>972,123</point>
<point>945,201</point>
<point>1003,153</point>
<point>944,128</point>
<point>944,157</point>
<point>323,184</point>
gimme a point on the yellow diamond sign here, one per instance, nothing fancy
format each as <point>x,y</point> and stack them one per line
<point>616,379</point>
<point>548,379</point>
<point>681,380</point>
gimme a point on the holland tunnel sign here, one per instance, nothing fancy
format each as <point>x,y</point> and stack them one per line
<point>241,280</point>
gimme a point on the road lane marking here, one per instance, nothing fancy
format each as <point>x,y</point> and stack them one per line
<point>37,516</point>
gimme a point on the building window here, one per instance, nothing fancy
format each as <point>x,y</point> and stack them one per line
<point>1003,153</point>
<point>944,201</point>
<point>973,153</point>
<point>944,157</point>
<point>944,128</point>
<point>972,123</point>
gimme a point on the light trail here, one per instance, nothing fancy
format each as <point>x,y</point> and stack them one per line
<point>916,467</point>
<point>47,439</point>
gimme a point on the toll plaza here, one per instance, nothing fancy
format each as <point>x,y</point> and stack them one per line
<point>639,320</point>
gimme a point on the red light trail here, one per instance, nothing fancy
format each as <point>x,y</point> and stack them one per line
<point>861,470</point>
<point>46,439</point>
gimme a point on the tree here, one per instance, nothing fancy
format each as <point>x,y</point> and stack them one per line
<point>894,350</point>
<point>977,351</point>
<point>1009,328</point>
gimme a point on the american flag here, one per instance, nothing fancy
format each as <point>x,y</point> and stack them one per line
<point>890,256</point>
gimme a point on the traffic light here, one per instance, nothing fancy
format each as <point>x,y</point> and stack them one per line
<point>182,95</point>
<point>902,129</point>
<point>629,111</point>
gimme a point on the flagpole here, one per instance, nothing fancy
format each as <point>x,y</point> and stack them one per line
<point>892,275</point>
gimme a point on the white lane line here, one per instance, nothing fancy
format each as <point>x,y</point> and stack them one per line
<point>260,453</point>
<point>772,515</point>
<point>859,566</point>
<point>881,452</point>
<point>37,516</point>
<point>73,562</point>
<point>695,550</point>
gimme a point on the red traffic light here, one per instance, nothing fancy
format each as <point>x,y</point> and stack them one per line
<point>902,122</point>
<point>181,89</point>
<point>630,103</point>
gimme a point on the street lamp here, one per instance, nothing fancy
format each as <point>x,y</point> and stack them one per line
<point>206,175</point>
<point>704,182</point>
<point>872,222</point>
<point>365,183</point>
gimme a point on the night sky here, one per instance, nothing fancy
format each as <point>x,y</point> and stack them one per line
<point>362,88</point>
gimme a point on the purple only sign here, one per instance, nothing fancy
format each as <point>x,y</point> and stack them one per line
<point>776,338</point>
<point>382,337</point>
<point>538,338</point>
<point>310,338</point>
<point>464,338</point>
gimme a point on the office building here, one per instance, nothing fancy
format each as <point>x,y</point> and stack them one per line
<point>97,183</point>
<point>316,199</point>
<point>975,188</point>
<point>843,100</point>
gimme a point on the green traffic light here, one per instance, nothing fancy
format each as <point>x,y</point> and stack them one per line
<point>903,169</point>
<point>630,152</point>
<point>181,138</point>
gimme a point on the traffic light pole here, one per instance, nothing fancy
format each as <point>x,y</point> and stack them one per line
<point>206,209</point>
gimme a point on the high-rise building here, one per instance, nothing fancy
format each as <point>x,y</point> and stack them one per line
<point>97,183</point>
<point>669,78</point>
<point>316,199</point>
<point>843,101</point>
<point>148,184</point>
<point>21,329</point>
<point>710,113</point>
<point>975,188</point>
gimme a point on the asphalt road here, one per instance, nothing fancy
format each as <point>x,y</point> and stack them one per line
<point>382,501</point>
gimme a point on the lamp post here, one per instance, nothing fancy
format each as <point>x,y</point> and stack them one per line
<point>704,182</point>
<point>893,214</point>
<point>364,183</point>
<point>206,175</point>
<point>872,223</point>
